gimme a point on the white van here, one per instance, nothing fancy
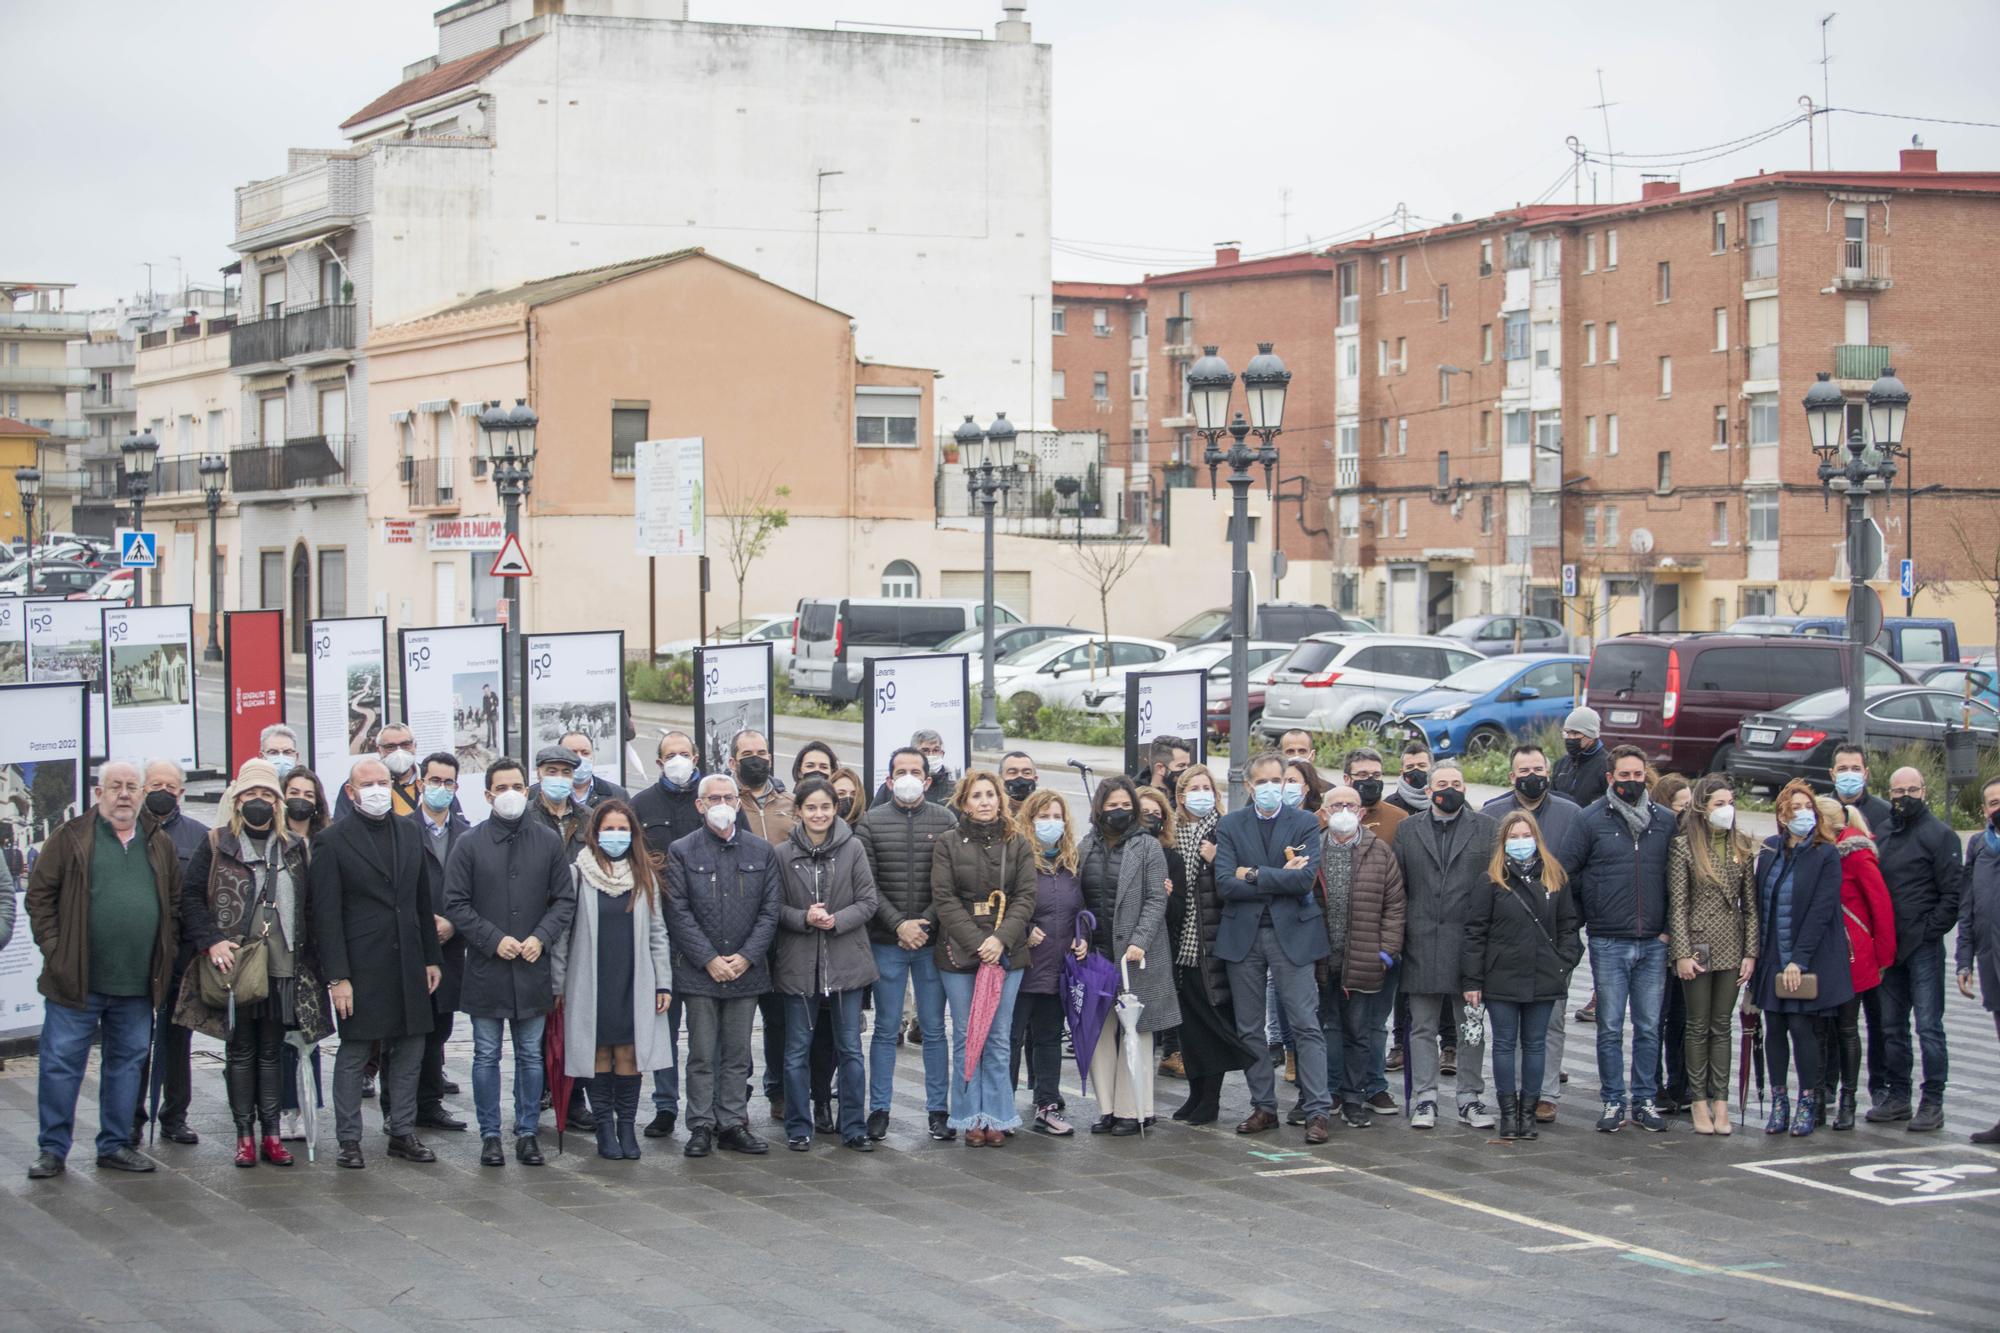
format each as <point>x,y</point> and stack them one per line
<point>832,637</point>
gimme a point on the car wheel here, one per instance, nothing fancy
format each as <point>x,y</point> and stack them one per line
<point>1484,740</point>
<point>1719,761</point>
<point>1368,722</point>
<point>1024,699</point>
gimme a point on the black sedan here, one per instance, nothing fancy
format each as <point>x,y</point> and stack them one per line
<point>1798,740</point>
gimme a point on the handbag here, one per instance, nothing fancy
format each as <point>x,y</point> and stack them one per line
<point>1807,989</point>
<point>1701,956</point>
<point>987,913</point>
<point>248,981</point>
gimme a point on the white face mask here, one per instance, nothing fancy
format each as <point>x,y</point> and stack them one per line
<point>399,762</point>
<point>1344,822</point>
<point>907,788</point>
<point>678,769</point>
<point>510,804</point>
<point>373,801</point>
<point>720,817</point>
<point>1722,817</point>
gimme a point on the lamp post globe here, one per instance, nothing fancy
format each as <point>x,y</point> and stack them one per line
<point>1888,410</point>
<point>1826,413</point>
<point>1264,383</point>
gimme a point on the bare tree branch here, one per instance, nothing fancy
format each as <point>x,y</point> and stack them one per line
<point>1103,565</point>
<point>749,521</point>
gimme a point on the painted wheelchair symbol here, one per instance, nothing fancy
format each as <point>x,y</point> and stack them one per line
<point>1919,1179</point>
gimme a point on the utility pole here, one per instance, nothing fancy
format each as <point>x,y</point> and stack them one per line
<point>819,213</point>
<point>1284,217</point>
<point>1825,93</point>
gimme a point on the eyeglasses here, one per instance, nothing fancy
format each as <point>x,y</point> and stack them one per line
<point>1915,789</point>
<point>390,747</point>
<point>1343,805</point>
<point>730,798</point>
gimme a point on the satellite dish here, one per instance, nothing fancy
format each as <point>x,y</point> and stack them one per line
<point>1642,541</point>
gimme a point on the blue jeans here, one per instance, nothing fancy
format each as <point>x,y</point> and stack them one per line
<point>919,968</point>
<point>1343,1021</point>
<point>65,1050</point>
<point>528,1073</point>
<point>801,1013</point>
<point>1917,984</point>
<point>986,1101</point>
<point>667,1082</point>
<point>1523,1028</point>
<point>1626,973</point>
<point>1381,1008</point>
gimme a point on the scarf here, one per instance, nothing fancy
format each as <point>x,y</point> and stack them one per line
<point>1638,817</point>
<point>1187,841</point>
<point>1419,797</point>
<point>615,884</point>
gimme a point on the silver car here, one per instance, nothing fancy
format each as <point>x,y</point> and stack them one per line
<point>1335,681</point>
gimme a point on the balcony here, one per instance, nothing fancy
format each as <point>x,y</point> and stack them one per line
<point>1350,310</point>
<point>1860,266</point>
<point>430,482</point>
<point>297,464</point>
<point>44,378</point>
<point>302,335</point>
<point>177,476</point>
<point>1180,335</point>
<point>323,196</point>
<point>1860,361</point>
<point>117,400</point>
<point>107,355</point>
<point>60,323</point>
<point>1346,472</point>
<point>62,429</point>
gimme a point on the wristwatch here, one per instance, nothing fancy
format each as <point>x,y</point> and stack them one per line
<point>1254,870</point>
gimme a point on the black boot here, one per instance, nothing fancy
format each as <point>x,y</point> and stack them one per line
<point>1843,1115</point>
<point>604,1120</point>
<point>625,1101</point>
<point>1510,1116</point>
<point>239,1076</point>
<point>1206,1098</point>
<point>1524,1119</point>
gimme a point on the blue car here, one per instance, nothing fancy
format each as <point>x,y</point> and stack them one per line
<point>1484,706</point>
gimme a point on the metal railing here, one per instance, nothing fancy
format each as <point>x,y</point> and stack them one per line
<point>1859,361</point>
<point>292,332</point>
<point>44,377</point>
<point>312,460</point>
<point>96,399</point>
<point>44,321</point>
<point>148,341</point>
<point>177,476</point>
<point>1862,264</point>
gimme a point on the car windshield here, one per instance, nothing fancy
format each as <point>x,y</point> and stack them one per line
<point>1479,678</point>
<point>1201,655</point>
<point>1462,629</point>
<point>1037,653</point>
<point>1197,626</point>
<point>741,629</point>
<point>107,586</point>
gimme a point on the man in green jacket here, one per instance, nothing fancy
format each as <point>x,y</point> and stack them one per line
<point>102,902</point>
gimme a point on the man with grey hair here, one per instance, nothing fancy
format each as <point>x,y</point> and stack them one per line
<point>164,784</point>
<point>765,809</point>
<point>103,901</point>
<point>279,744</point>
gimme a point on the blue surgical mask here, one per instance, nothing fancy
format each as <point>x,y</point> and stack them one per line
<point>1850,784</point>
<point>1048,832</point>
<point>558,787</point>
<point>583,774</point>
<point>1521,849</point>
<point>438,798</point>
<point>1268,796</point>
<point>284,763</point>
<point>1803,823</point>
<point>1201,803</point>
<point>615,842</point>
<point>1295,793</point>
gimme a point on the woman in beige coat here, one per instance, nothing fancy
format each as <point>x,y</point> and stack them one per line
<point>1711,938</point>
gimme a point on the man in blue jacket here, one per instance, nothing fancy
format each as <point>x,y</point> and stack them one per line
<point>1616,858</point>
<point>1266,863</point>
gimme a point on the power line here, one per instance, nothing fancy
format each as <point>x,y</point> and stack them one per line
<point>1608,155</point>
<point>1897,115</point>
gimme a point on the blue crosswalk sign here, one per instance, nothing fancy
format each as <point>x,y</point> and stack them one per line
<point>1909,578</point>
<point>137,550</point>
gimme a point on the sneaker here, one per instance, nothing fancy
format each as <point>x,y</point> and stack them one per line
<point>1613,1118</point>
<point>940,1127</point>
<point>1383,1104</point>
<point>1297,1115</point>
<point>1050,1121</point>
<point>1425,1116</point>
<point>1545,1111</point>
<point>1647,1117</point>
<point>878,1125</point>
<point>662,1125</point>
<point>1475,1115</point>
<point>292,1126</point>
<point>1355,1116</point>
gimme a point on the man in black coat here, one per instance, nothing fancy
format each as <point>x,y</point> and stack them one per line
<point>1412,795</point>
<point>666,811</point>
<point>1585,768</point>
<point>164,783</point>
<point>1921,864</point>
<point>591,786</point>
<point>508,890</point>
<point>374,910</point>
<point>442,826</point>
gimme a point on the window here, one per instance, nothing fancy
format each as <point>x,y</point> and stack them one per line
<point>1485,515</point>
<point>1402,518</point>
<point>1058,385</point>
<point>1590,435</point>
<point>332,583</point>
<point>629,425</point>
<point>1100,385</point>
<point>1058,320</point>
<point>1611,247</point>
<point>1347,457</point>
<point>1444,384</point>
<point>1350,299</point>
<point>1721,426</point>
<point>1590,525</point>
<point>1761,516</point>
<point>1381,356</point>
<point>1758,601</point>
<point>1402,273</point>
<point>1485,430</point>
<point>1549,434</point>
<point>1187,305</point>
<point>1350,516</point>
<point>1611,341</point>
<point>1485,257</point>
<point>1719,231</point>
<point>1486,342</point>
<point>1545,346</point>
<point>901,579</point>
<point>1718,530</point>
<point>1721,329</point>
<point>271,580</point>
<point>1139,443</point>
<point>1402,355</point>
<point>1611,433</point>
<point>1548,257</point>
<point>1590,253</point>
<point>1444,470</point>
<point>1590,344</point>
<point>886,417</point>
<point>1386,428</point>
<point>1663,471</point>
<point>1516,424</point>
<point>1761,334</point>
<point>1350,357</point>
<point>1763,418</point>
<point>330,278</point>
<point>1139,323</point>
<point>1139,384</point>
<point>1760,235</point>
<point>1517,335</point>
<point>1517,250</point>
<point>1666,282</point>
<point>1100,321</point>
<point>1402,435</point>
<point>1444,300</point>
<point>1666,376</point>
<point>1611,525</point>
<point>1381,275</point>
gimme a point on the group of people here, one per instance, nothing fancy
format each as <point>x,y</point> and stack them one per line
<point>1297,932</point>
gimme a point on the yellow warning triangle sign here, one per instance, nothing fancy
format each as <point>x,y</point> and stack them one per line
<point>511,562</point>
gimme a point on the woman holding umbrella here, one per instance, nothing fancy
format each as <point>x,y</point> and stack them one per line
<point>1126,887</point>
<point>1802,971</point>
<point>983,887</point>
<point>1209,1048</point>
<point>1038,1010</point>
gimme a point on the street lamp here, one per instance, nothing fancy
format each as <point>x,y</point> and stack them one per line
<point>507,441</point>
<point>989,474</point>
<point>213,468</point>
<point>1863,470</point>
<point>1265,381</point>
<point>28,481</point>
<point>140,451</point>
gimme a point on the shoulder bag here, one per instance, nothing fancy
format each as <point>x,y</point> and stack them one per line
<point>248,981</point>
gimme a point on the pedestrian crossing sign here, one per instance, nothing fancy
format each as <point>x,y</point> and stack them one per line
<point>137,550</point>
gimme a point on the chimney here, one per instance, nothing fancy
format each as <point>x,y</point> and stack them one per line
<point>1919,159</point>
<point>1228,252</point>
<point>1658,189</point>
<point>1013,28</point>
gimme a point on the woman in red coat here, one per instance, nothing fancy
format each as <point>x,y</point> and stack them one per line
<point>1871,946</point>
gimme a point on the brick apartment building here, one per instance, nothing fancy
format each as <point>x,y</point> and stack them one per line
<point>1614,387</point>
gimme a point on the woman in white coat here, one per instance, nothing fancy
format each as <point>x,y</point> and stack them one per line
<point>613,974</point>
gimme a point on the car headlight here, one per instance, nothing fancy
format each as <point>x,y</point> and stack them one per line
<point>1449,711</point>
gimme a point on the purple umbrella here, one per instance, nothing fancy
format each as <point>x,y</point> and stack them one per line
<point>1089,988</point>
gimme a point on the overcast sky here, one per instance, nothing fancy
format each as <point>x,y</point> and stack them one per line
<point>1176,124</point>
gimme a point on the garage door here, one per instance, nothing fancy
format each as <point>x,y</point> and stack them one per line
<point>1010,586</point>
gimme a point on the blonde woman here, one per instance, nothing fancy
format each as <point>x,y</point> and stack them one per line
<point>1521,943</point>
<point>1209,1045</point>
<point>1799,936</point>
<point>1711,939</point>
<point>1043,818</point>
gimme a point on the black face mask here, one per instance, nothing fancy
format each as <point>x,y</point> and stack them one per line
<point>300,808</point>
<point>257,814</point>
<point>1448,800</point>
<point>1117,821</point>
<point>1532,786</point>
<point>1152,824</point>
<point>754,770</point>
<point>1020,789</point>
<point>1573,747</point>
<point>1993,821</point>
<point>160,804</point>
<point>1417,777</point>
<point>1630,790</point>
<point>1906,808</point>
<point>1369,790</point>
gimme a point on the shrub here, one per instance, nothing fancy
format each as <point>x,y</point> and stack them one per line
<point>668,682</point>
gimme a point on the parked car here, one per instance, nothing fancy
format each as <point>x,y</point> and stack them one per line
<point>52,579</point>
<point>1212,658</point>
<point>1983,676</point>
<point>1910,639</point>
<point>1489,636</point>
<point>835,636</point>
<point>1217,716</point>
<point>115,586</point>
<point>1486,705</point>
<point>1798,740</point>
<point>755,628</point>
<point>1058,671</point>
<point>1681,697</point>
<point>1280,622</point>
<point>1007,639</point>
<point>1334,681</point>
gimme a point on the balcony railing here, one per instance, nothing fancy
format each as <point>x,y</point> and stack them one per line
<point>117,400</point>
<point>44,377</point>
<point>148,341</point>
<point>177,476</point>
<point>312,198</point>
<point>295,332</point>
<point>1859,361</point>
<point>430,482</point>
<point>314,460</point>
<point>63,428</point>
<point>1861,266</point>
<point>1346,472</point>
<point>44,321</point>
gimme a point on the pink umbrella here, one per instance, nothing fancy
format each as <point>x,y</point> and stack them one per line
<point>986,988</point>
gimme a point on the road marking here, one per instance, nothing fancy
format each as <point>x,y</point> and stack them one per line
<point>1089,1264</point>
<point>1921,1183</point>
<point>1567,1247</point>
<point>1304,1171</point>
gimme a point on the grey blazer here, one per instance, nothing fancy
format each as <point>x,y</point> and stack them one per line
<point>1139,916</point>
<point>575,963</point>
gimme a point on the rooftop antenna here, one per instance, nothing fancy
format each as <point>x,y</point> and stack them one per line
<point>1825,94</point>
<point>819,211</point>
<point>1284,217</point>
<point>1603,109</point>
